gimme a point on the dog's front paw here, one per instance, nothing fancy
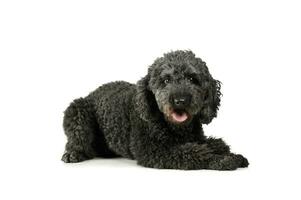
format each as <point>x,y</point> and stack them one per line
<point>74,157</point>
<point>243,162</point>
<point>225,163</point>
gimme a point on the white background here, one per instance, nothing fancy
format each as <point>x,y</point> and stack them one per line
<point>52,52</point>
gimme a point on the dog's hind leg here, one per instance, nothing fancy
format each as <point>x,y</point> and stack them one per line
<point>80,127</point>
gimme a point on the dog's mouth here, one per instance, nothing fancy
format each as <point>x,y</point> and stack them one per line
<point>178,116</point>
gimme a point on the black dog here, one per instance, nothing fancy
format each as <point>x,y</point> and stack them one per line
<point>157,122</point>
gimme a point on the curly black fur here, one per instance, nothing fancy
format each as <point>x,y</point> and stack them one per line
<point>157,122</point>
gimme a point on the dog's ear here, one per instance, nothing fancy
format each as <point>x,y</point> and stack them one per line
<point>212,101</point>
<point>144,100</point>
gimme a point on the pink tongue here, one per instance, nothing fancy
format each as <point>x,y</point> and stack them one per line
<point>179,117</point>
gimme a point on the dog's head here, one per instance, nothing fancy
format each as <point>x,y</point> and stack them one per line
<point>180,87</point>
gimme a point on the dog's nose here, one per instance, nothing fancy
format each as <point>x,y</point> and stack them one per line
<point>181,101</point>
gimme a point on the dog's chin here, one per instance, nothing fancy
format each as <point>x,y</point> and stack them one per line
<point>178,116</point>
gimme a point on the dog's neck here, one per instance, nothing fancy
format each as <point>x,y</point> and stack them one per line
<point>194,127</point>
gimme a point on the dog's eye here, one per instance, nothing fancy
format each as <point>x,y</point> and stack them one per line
<point>191,79</point>
<point>166,81</point>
